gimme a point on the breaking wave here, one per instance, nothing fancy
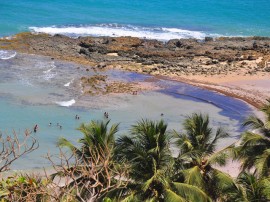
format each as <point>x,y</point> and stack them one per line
<point>66,103</point>
<point>116,30</point>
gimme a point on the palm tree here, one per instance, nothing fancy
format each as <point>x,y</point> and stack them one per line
<point>93,172</point>
<point>97,139</point>
<point>249,188</point>
<point>196,158</point>
<point>254,148</point>
<point>146,149</point>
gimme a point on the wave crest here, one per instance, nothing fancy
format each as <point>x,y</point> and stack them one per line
<point>115,30</point>
<point>66,103</point>
<point>6,54</point>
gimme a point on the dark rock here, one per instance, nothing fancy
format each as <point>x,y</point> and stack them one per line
<point>148,62</point>
<point>83,51</point>
<point>174,43</point>
<point>207,39</point>
<point>267,69</point>
<point>255,46</point>
<point>251,57</point>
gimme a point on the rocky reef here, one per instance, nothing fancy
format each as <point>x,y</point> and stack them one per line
<point>175,58</point>
<point>183,56</point>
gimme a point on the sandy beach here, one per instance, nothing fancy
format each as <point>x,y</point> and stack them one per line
<point>253,89</point>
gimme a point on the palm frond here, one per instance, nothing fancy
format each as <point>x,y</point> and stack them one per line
<point>254,122</point>
<point>194,176</point>
<point>262,163</point>
<point>219,158</point>
<point>171,196</point>
<point>190,192</point>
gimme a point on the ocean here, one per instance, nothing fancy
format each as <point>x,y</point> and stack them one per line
<point>155,19</point>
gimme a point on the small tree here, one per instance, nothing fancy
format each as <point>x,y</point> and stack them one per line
<point>12,148</point>
<point>23,187</point>
<point>85,180</point>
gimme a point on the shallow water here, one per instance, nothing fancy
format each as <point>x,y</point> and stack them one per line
<point>32,88</point>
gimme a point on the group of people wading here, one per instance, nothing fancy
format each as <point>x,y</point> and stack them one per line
<point>35,129</point>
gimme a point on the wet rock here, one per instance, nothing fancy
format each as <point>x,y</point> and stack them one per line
<point>174,43</point>
<point>207,39</point>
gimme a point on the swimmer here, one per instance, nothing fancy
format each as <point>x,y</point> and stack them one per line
<point>106,114</point>
<point>35,128</point>
<point>60,127</point>
<point>161,114</point>
<point>50,124</point>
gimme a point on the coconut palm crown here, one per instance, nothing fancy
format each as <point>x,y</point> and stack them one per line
<point>196,158</point>
<point>147,151</point>
<point>254,148</point>
<point>97,138</point>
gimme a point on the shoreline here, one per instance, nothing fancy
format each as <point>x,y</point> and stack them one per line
<point>237,92</point>
<point>218,65</point>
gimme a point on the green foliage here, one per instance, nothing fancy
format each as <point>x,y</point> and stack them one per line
<point>23,187</point>
<point>97,139</point>
<point>254,148</point>
<point>147,150</point>
<point>194,164</point>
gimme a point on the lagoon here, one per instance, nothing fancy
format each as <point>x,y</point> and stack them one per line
<point>40,90</point>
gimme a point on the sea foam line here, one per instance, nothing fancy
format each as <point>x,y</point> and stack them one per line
<point>49,70</point>
<point>66,103</point>
<point>6,55</point>
<point>114,30</point>
<point>67,84</point>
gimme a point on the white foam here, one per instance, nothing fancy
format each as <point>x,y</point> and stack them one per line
<point>48,74</point>
<point>48,71</point>
<point>6,54</point>
<point>66,103</point>
<point>67,84</point>
<point>114,30</point>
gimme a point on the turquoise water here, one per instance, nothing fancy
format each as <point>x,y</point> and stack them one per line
<point>39,90</point>
<point>153,19</point>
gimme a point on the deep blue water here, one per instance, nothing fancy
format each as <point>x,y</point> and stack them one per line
<point>153,19</point>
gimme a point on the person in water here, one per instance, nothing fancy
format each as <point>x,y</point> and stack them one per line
<point>35,128</point>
